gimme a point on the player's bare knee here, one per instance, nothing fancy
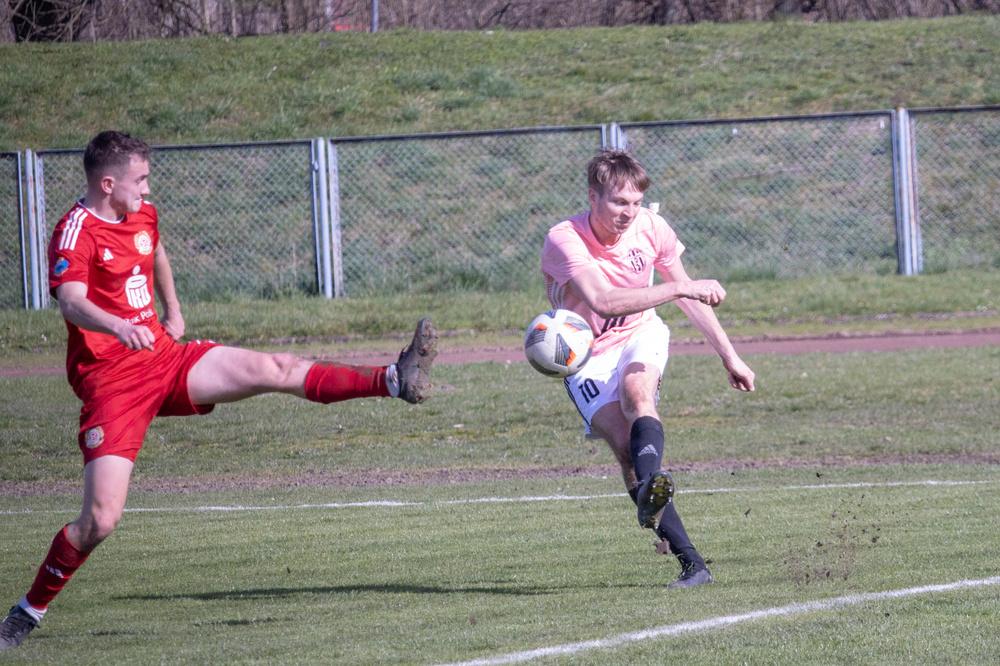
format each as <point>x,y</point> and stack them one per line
<point>635,406</point>
<point>286,366</point>
<point>274,370</point>
<point>95,527</point>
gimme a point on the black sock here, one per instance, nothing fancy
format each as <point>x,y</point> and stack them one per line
<point>646,446</point>
<point>634,494</point>
<point>672,529</point>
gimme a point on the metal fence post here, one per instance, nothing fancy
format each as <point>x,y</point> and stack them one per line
<point>41,239</point>
<point>617,139</point>
<point>36,228</point>
<point>321,217</point>
<point>21,235</point>
<point>314,209</point>
<point>336,244</point>
<point>908,250</point>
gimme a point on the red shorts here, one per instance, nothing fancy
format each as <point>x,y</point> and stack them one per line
<point>121,399</point>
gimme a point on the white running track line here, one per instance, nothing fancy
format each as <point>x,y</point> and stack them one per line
<point>723,621</point>
<point>505,500</point>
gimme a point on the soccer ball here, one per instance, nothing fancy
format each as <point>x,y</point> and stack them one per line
<point>558,343</point>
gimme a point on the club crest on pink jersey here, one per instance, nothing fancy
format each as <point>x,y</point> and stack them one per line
<point>636,259</point>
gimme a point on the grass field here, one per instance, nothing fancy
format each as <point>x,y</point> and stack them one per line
<point>277,566</point>
<point>481,524</point>
<point>443,579</point>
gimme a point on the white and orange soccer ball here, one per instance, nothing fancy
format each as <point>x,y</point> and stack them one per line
<point>558,343</point>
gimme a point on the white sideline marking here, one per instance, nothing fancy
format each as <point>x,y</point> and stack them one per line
<point>723,621</point>
<point>506,500</point>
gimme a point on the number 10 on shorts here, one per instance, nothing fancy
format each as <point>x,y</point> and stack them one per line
<point>588,390</point>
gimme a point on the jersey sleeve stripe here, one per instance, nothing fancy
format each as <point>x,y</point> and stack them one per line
<point>67,233</point>
<point>76,231</point>
<point>72,230</point>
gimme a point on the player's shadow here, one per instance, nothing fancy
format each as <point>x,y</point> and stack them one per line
<point>388,588</point>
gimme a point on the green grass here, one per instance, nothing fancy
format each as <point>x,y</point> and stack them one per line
<point>403,203</point>
<point>507,416</point>
<point>865,303</point>
<point>439,581</point>
<point>216,89</point>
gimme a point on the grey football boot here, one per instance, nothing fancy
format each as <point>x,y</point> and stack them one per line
<point>15,628</point>
<point>692,576</point>
<point>414,363</point>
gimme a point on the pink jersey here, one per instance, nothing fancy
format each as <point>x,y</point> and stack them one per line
<point>571,248</point>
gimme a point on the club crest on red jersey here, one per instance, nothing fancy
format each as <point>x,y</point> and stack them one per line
<point>94,437</point>
<point>143,242</point>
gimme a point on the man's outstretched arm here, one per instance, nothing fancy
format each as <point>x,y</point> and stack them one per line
<point>741,377</point>
<point>609,301</point>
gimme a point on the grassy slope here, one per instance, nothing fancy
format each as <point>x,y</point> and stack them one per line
<point>212,89</point>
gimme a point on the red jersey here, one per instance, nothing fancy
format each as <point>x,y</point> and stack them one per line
<point>115,260</point>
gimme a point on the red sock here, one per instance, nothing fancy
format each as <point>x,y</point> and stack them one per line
<point>327,382</point>
<point>59,566</point>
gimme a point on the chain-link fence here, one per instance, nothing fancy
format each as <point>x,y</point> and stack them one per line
<point>234,219</point>
<point>775,197</point>
<point>465,211</point>
<point>751,198</point>
<point>12,247</point>
<point>958,180</point>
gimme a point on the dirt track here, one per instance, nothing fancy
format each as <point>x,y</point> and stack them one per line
<point>837,343</point>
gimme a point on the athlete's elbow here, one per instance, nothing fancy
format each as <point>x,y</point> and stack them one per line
<point>605,308</point>
<point>68,307</point>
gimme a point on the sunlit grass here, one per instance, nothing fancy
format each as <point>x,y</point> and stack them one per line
<point>299,86</point>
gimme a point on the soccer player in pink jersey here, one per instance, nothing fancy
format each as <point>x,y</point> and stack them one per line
<point>600,265</point>
<point>127,365</point>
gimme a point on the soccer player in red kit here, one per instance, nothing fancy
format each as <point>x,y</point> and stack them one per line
<point>127,365</point>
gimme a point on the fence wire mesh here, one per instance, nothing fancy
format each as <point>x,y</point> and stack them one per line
<point>11,241</point>
<point>762,198</point>
<point>235,220</point>
<point>958,176</point>
<point>775,198</point>
<point>456,212</point>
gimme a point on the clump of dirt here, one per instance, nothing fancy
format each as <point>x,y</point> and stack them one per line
<point>833,555</point>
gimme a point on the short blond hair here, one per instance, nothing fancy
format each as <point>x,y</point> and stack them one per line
<point>613,168</point>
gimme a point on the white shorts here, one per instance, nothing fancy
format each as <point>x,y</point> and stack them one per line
<point>596,384</point>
